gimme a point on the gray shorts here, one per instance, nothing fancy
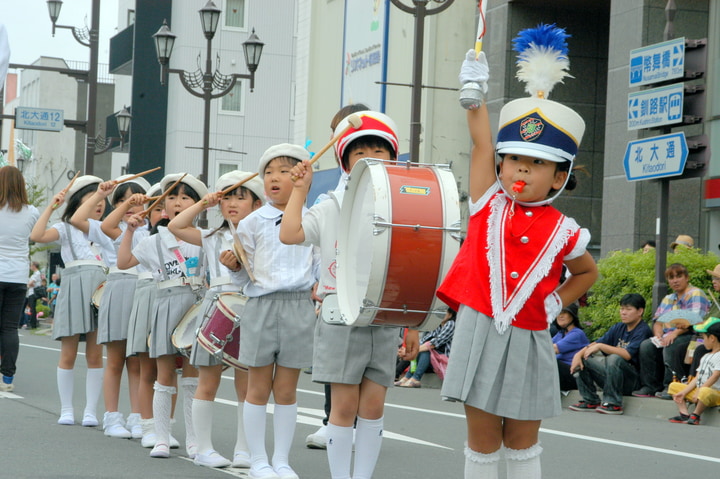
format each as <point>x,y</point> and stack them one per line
<point>278,328</point>
<point>346,354</point>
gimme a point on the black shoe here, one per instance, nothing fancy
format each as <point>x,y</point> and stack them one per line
<point>663,395</point>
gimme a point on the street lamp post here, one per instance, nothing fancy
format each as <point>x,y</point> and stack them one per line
<point>88,38</point>
<point>207,84</point>
<point>420,11</point>
<point>103,144</point>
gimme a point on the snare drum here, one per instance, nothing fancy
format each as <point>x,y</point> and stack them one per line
<point>186,330</point>
<point>97,295</point>
<point>398,234</point>
<point>220,330</point>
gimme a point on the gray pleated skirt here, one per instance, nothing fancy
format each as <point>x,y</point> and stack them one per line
<point>200,356</point>
<point>346,354</point>
<point>512,375</point>
<point>171,304</point>
<point>74,313</point>
<point>139,320</point>
<point>278,328</point>
<point>115,307</point>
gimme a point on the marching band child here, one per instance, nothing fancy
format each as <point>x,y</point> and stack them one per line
<point>115,303</point>
<point>234,206</point>
<point>178,268</point>
<point>277,321</point>
<point>367,354</point>
<point>504,282</point>
<point>83,273</point>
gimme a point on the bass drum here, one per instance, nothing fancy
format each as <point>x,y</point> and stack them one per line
<point>399,233</point>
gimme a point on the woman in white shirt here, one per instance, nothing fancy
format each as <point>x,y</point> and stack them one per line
<point>17,217</point>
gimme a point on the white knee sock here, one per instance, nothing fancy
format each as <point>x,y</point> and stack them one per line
<point>162,405</point>
<point>524,463</point>
<point>339,450</point>
<point>240,443</point>
<point>254,422</point>
<point>189,386</point>
<point>368,439</point>
<point>202,417</point>
<point>66,386</point>
<point>284,420</point>
<point>93,388</point>
<point>481,466</point>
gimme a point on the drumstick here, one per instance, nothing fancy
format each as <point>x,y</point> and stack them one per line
<point>162,197</point>
<point>67,188</point>
<point>355,122</point>
<point>130,178</point>
<point>239,252</point>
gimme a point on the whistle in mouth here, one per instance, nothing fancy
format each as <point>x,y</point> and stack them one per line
<point>518,186</point>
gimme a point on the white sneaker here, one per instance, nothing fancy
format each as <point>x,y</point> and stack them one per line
<point>318,439</point>
<point>133,425</point>
<point>89,420</point>
<point>286,472</point>
<point>113,425</point>
<point>161,451</point>
<point>66,419</point>
<point>210,458</point>
<point>241,459</point>
<point>191,450</point>
<point>6,388</point>
<point>262,472</point>
<point>149,440</point>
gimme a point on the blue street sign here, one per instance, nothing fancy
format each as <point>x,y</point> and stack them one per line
<point>46,119</point>
<point>656,63</point>
<point>655,107</point>
<point>656,157</point>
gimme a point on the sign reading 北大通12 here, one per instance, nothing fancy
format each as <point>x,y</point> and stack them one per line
<point>656,157</point>
<point>46,119</point>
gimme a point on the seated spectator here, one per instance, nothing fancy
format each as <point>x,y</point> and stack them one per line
<point>53,290</point>
<point>703,390</point>
<point>432,342</point>
<point>648,246</point>
<point>664,356</point>
<point>700,349</point>
<point>611,362</point>
<point>569,339</point>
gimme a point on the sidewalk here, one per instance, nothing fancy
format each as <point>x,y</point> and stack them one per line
<point>651,408</point>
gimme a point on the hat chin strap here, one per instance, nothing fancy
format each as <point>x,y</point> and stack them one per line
<point>544,202</point>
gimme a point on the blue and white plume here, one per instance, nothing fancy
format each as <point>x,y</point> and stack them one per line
<point>542,58</point>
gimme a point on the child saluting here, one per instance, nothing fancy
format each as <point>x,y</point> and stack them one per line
<point>505,281</point>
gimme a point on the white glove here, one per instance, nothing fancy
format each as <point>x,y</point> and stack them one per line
<point>553,306</point>
<point>475,70</point>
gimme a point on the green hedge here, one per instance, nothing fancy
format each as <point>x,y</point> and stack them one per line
<point>624,272</point>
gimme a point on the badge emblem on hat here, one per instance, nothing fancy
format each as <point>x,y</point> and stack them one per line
<point>531,128</point>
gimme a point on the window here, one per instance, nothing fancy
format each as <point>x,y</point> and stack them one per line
<point>235,13</point>
<point>130,17</point>
<point>233,101</point>
<point>223,168</point>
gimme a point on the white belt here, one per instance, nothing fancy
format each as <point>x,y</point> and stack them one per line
<point>170,283</point>
<point>221,281</point>
<point>85,262</point>
<point>115,269</point>
<point>145,275</point>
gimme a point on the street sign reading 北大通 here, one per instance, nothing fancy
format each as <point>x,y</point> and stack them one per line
<point>656,107</point>
<point>46,119</point>
<point>657,63</point>
<point>656,157</point>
